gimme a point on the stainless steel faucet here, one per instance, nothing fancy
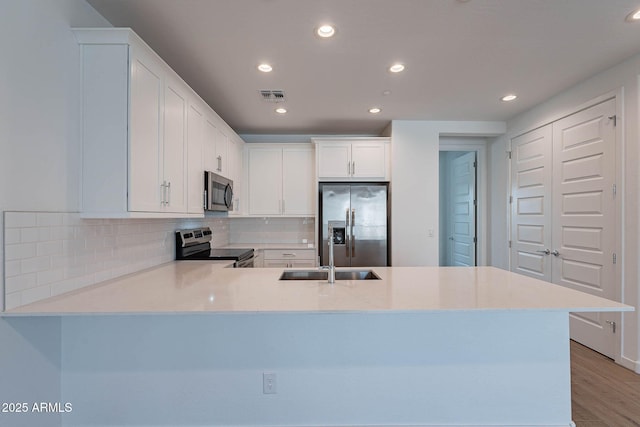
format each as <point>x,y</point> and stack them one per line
<point>331,267</point>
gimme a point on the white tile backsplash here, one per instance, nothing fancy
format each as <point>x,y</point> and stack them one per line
<point>49,253</point>
<point>266,230</point>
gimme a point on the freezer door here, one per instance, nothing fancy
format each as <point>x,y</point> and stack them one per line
<point>368,226</point>
<point>335,207</point>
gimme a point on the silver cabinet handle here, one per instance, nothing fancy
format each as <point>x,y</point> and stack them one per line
<point>168,193</point>
<point>353,168</point>
<point>349,168</point>
<point>555,253</point>
<point>546,252</point>
<point>219,163</point>
<point>163,200</point>
<point>289,255</point>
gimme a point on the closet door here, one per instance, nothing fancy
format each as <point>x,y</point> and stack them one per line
<point>531,175</point>
<point>584,216</point>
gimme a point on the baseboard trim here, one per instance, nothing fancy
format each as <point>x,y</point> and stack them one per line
<point>634,365</point>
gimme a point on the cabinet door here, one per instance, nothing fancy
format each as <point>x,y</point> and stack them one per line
<point>298,181</point>
<point>209,146</point>
<point>368,160</point>
<point>222,153</point>
<point>145,182</point>
<point>334,160</point>
<point>234,168</point>
<point>265,181</point>
<point>195,169</point>
<point>174,146</point>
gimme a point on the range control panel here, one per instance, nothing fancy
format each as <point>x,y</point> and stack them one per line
<point>194,236</point>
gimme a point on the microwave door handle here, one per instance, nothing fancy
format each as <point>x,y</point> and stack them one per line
<point>228,196</point>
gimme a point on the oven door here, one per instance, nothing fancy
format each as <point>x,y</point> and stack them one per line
<point>245,263</point>
<point>218,192</point>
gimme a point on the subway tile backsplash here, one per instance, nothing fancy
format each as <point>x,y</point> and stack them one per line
<point>276,230</point>
<point>49,253</point>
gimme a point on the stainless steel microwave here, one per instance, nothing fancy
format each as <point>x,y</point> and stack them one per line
<point>218,193</point>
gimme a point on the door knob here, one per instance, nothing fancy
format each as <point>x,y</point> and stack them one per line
<point>546,252</point>
<point>555,253</point>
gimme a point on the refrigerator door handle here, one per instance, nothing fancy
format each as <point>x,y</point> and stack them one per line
<point>353,236</point>
<point>348,237</point>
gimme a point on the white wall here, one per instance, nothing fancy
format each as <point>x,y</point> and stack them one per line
<point>39,143</point>
<point>498,200</point>
<point>414,185</point>
<point>622,77</point>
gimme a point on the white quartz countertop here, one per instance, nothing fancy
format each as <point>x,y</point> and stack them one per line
<point>206,287</point>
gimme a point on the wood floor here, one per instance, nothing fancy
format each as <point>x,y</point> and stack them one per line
<point>603,394</point>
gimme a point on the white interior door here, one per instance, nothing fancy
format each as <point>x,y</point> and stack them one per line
<point>463,215</point>
<point>584,216</point>
<point>531,183</point>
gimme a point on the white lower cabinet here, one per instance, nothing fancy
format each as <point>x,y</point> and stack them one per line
<point>290,258</point>
<point>281,180</point>
<point>258,258</point>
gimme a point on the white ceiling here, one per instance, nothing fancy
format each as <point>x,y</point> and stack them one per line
<point>460,56</point>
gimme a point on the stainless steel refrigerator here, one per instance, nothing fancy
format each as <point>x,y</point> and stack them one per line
<point>359,214</point>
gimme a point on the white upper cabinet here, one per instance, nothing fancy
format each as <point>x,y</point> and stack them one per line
<point>195,167</point>
<point>234,166</point>
<point>147,136</point>
<point>281,180</point>
<point>216,149</point>
<point>174,146</point>
<point>146,188</point>
<point>334,160</point>
<point>351,159</point>
<point>298,181</point>
<point>265,181</point>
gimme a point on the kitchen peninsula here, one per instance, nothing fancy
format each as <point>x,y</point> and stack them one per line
<point>420,346</point>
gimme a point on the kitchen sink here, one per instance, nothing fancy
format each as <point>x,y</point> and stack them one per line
<point>323,275</point>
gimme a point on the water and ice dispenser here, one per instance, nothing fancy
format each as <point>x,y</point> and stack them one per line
<point>339,232</point>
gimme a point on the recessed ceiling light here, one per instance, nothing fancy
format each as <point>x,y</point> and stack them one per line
<point>374,110</point>
<point>326,31</point>
<point>281,110</point>
<point>265,68</point>
<point>396,68</point>
<point>633,16</point>
<point>509,97</point>
<point>386,92</point>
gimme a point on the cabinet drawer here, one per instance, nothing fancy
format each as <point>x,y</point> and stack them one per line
<point>289,254</point>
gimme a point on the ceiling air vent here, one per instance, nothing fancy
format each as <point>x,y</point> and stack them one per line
<point>272,95</point>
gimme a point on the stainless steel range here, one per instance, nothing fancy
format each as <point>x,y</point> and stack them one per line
<point>195,244</point>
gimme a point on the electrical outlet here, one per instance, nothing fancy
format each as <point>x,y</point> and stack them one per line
<point>269,383</point>
<point>430,231</point>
